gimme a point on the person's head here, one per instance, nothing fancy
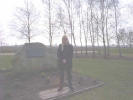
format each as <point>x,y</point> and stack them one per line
<point>65,40</point>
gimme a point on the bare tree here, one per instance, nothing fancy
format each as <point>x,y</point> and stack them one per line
<point>126,37</point>
<point>106,23</point>
<point>26,20</point>
<point>97,22</point>
<point>49,9</point>
<point>61,20</point>
<point>130,39</point>
<point>79,14</point>
<point>123,37</point>
<point>85,33</point>
<point>115,5</point>
<point>91,25</point>
<point>103,25</point>
<point>69,4</point>
<point>1,37</point>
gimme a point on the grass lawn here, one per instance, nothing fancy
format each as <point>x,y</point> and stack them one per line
<point>117,75</point>
<point>5,62</point>
<point>127,52</point>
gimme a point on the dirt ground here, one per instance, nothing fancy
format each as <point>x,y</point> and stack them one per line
<point>28,89</point>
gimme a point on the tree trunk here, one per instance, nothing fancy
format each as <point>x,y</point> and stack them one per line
<point>116,31</point>
<point>50,26</point>
<point>107,35</point>
<point>103,34</point>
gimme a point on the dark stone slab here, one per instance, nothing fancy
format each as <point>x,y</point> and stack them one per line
<point>34,50</point>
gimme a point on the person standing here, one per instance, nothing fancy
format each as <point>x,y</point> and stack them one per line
<point>65,55</point>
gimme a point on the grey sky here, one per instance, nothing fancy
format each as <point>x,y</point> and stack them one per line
<point>7,10</point>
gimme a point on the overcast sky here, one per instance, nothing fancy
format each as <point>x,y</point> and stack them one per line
<point>7,10</point>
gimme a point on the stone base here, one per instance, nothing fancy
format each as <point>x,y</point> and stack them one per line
<point>80,84</point>
<point>53,93</point>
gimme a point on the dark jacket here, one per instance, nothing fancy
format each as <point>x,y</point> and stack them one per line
<point>67,54</point>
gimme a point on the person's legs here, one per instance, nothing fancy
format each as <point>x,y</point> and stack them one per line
<point>69,77</point>
<point>61,79</point>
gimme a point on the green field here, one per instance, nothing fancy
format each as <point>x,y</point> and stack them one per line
<point>5,62</point>
<point>126,52</point>
<point>116,74</point>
